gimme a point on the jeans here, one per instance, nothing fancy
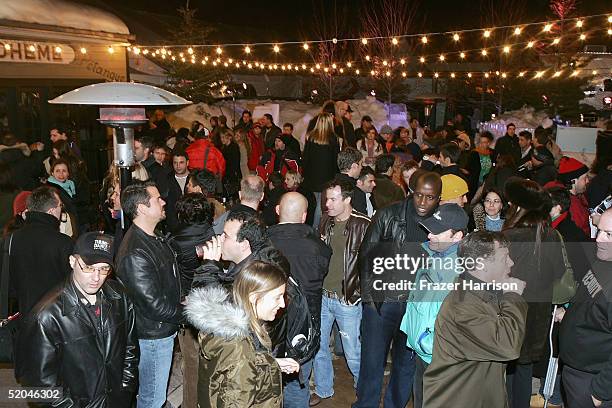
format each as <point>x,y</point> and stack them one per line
<point>296,395</point>
<point>417,388</point>
<point>349,321</point>
<point>378,330</point>
<point>316,219</point>
<point>153,371</point>
<point>518,384</point>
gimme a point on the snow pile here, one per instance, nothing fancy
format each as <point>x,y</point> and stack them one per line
<point>62,13</point>
<point>295,112</point>
<point>525,118</point>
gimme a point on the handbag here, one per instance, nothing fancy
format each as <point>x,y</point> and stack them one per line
<point>8,324</point>
<point>565,288</point>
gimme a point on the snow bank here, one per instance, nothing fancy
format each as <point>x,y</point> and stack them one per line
<point>295,112</point>
<point>525,118</point>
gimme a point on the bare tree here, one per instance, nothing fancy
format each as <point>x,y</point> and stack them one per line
<point>380,22</point>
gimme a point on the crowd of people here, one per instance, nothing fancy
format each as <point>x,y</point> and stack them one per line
<point>257,257</point>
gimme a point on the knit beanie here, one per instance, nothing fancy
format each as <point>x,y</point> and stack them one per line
<point>570,169</point>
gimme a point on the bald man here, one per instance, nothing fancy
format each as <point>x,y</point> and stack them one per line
<point>309,259</point>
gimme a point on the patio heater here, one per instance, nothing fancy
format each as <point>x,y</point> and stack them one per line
<point>122,107</point>
<point>429,101</point>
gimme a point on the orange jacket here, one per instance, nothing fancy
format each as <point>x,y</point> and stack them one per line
<point>197,152</point>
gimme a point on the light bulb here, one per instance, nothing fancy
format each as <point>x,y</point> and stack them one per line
<point>83,50</point>
<point>335,40</point>
<point>462,55</point>
<point>357,72</point>
<point>483,52</point>
<point>469,74</point>
<point>436,75</point>
<point>547,27</point>
<point>305,46</point>
<point>276,48</point>
<point>404,74</point>
<point>364,41</point>
<point>348,64</point>
<point>58,49</point>
<point>247,49</point>
<point>111,50</point>
<point>487,33</point>
<point>556,41</point>
<point>452,75</point>
<point>394,41</point>
<point>579,23</point>
<point>422,59</point>
<point>456,37</point>
<point>420,75</point>
<point>517,31</point>
<point>442,58</point>
<point>402,61</point>
<point>190,50</point>
<point>530,44</point>
<point>219,50</point>
<point>507,49</point>
<point>583,36</point>
<point>424,39</point>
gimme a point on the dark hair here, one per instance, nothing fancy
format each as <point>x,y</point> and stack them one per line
<point>560,196</point>
<point>181,153</point>
<point>504,160</point>
<point>365,171</point>
<point>247,111</point>
<point>287,124</point>
<point>135,194</point>
<point>57,162</point>
<point>347,157</point>
<point>329,107</point>
<point>346,188</point>
<point>276,179</point>
<point>526,134</point>
<point>145,141</point>
<point>43,199</point>
<point>603,151</point>
<point>192,208</point>
<point>269,116</point>
<point>415,177</point>
<point>6,179</point>
<point>222,120</point>
<point>510,124</point>
<point>206,180</point>
<point>183,132</point>
<point>60,129</point>
<point>480,244</point>
<point>487,135</point>
<point>452,151</point>
<point>251,229</point>
<point>384,162</point>
<point>431,151</point>
<point>494,189</point>
<point>542,135</point>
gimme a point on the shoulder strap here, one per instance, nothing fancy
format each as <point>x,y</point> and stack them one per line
<point>206,156</point>
<point>4,283</point>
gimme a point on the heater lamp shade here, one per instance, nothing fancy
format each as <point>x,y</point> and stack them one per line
<point>120,94</point>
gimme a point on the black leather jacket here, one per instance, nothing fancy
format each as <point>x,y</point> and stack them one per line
<point>58,346</point>
<point>146,266</point>
<point>354,232</point>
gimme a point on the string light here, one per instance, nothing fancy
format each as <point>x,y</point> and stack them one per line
<point>247,50</point>
<point>517,31</point>
<point>420,75</point>
<point>388,73</point>
<point>364,41</point>
<point>486,33</point>
<point>7,47</point>
<point>190,50</point>
<point>335,40</point>
<point>394,41</point>
<point>442,57</point>
<point>58,49</point>
<point>83,50</point>
<point>367,57</point>
<point>404,74</point>
<point>521,74</point>
<point>219,50</point>
<point>486,75</point>
<point>348,64</point>
<point>579,23</point>
<point>385,63</point>
<point>111,49</point>
<point>462,55</point>
<point>506,49</point>
<point>452,74</point>
<point>469,74</point>
<point>583,37</point>
<point>341,70</point>
<point>32,48</point>
<point>334,66</point>
<point>609,19</point>
<point>305,46</point>
<point>557,74</point>
<point>609,31</point>
<point>422,59</point>
<point>594,72</point>
<point>547,27</point>
<point>424,39</point>
<point>530,44</point>
<point>276,48</point>
<point>456,37</point>
<point>145,51</point>
<point>556,41</point>
<point>402,61</point>
<point>357,72</point>
<point>504,75</point>
<point>484,52</point>
<point>539,74</point>
<point>574,73</point>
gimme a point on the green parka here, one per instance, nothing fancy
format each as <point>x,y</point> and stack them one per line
<point>235,371</point>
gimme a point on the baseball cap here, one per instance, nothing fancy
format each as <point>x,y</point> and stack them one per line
<point>95,247</point>
<point>453,186</point>
<point>447,216</point>
<point>386,129</point>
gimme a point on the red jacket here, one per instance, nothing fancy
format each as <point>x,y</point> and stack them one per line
<point>197,152</point>
<point>289,162</point>
<point>257,150</point>
<point>578,208</point>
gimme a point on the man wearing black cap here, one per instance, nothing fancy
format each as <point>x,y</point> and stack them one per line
<point>508,144</point>
<point>279,159</point>
<point>446,227</point>
<point>542,166</point>
<point>81,337</point>
<point>350,139</point>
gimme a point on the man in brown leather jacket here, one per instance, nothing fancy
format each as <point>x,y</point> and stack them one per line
<point>342,228</point>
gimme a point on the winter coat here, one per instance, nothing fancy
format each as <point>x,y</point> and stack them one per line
<point>377,151</point>
<point>539,269</point>
<point>59,346</point>
<point>170,191</point>
<point>320,164</point>
<point>386,191</point>
<point>231,154</point>
<point>183,242</point>
<point>543,174</point>
<point>234,370</point>
<point>197,157</point>
<point>477,333</point>
<point>146,265</point>
<point>278,161</point>
<point>257,150</point>
<point>269,135</point>
<point>39,258</point>
<point>508,145</point>
<point>586,335</point>
<point>577,245</point>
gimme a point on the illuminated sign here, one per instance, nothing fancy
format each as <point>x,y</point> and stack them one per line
<point>35,52</point>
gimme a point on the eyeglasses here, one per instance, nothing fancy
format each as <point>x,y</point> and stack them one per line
<point>487,201</point>
<point>103,270</point>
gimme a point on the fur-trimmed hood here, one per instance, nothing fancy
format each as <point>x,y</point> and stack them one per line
<point>211,311</point>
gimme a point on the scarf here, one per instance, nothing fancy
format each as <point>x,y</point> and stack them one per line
<point>68,185</point>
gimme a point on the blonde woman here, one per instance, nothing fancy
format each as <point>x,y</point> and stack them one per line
<point>320,157</point>
<point>244,145</point>
<point>236,366</point>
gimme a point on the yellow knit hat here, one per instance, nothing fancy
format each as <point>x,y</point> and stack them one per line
<point>453,187</point>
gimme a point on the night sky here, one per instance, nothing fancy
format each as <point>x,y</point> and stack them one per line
<point>278,20</point>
